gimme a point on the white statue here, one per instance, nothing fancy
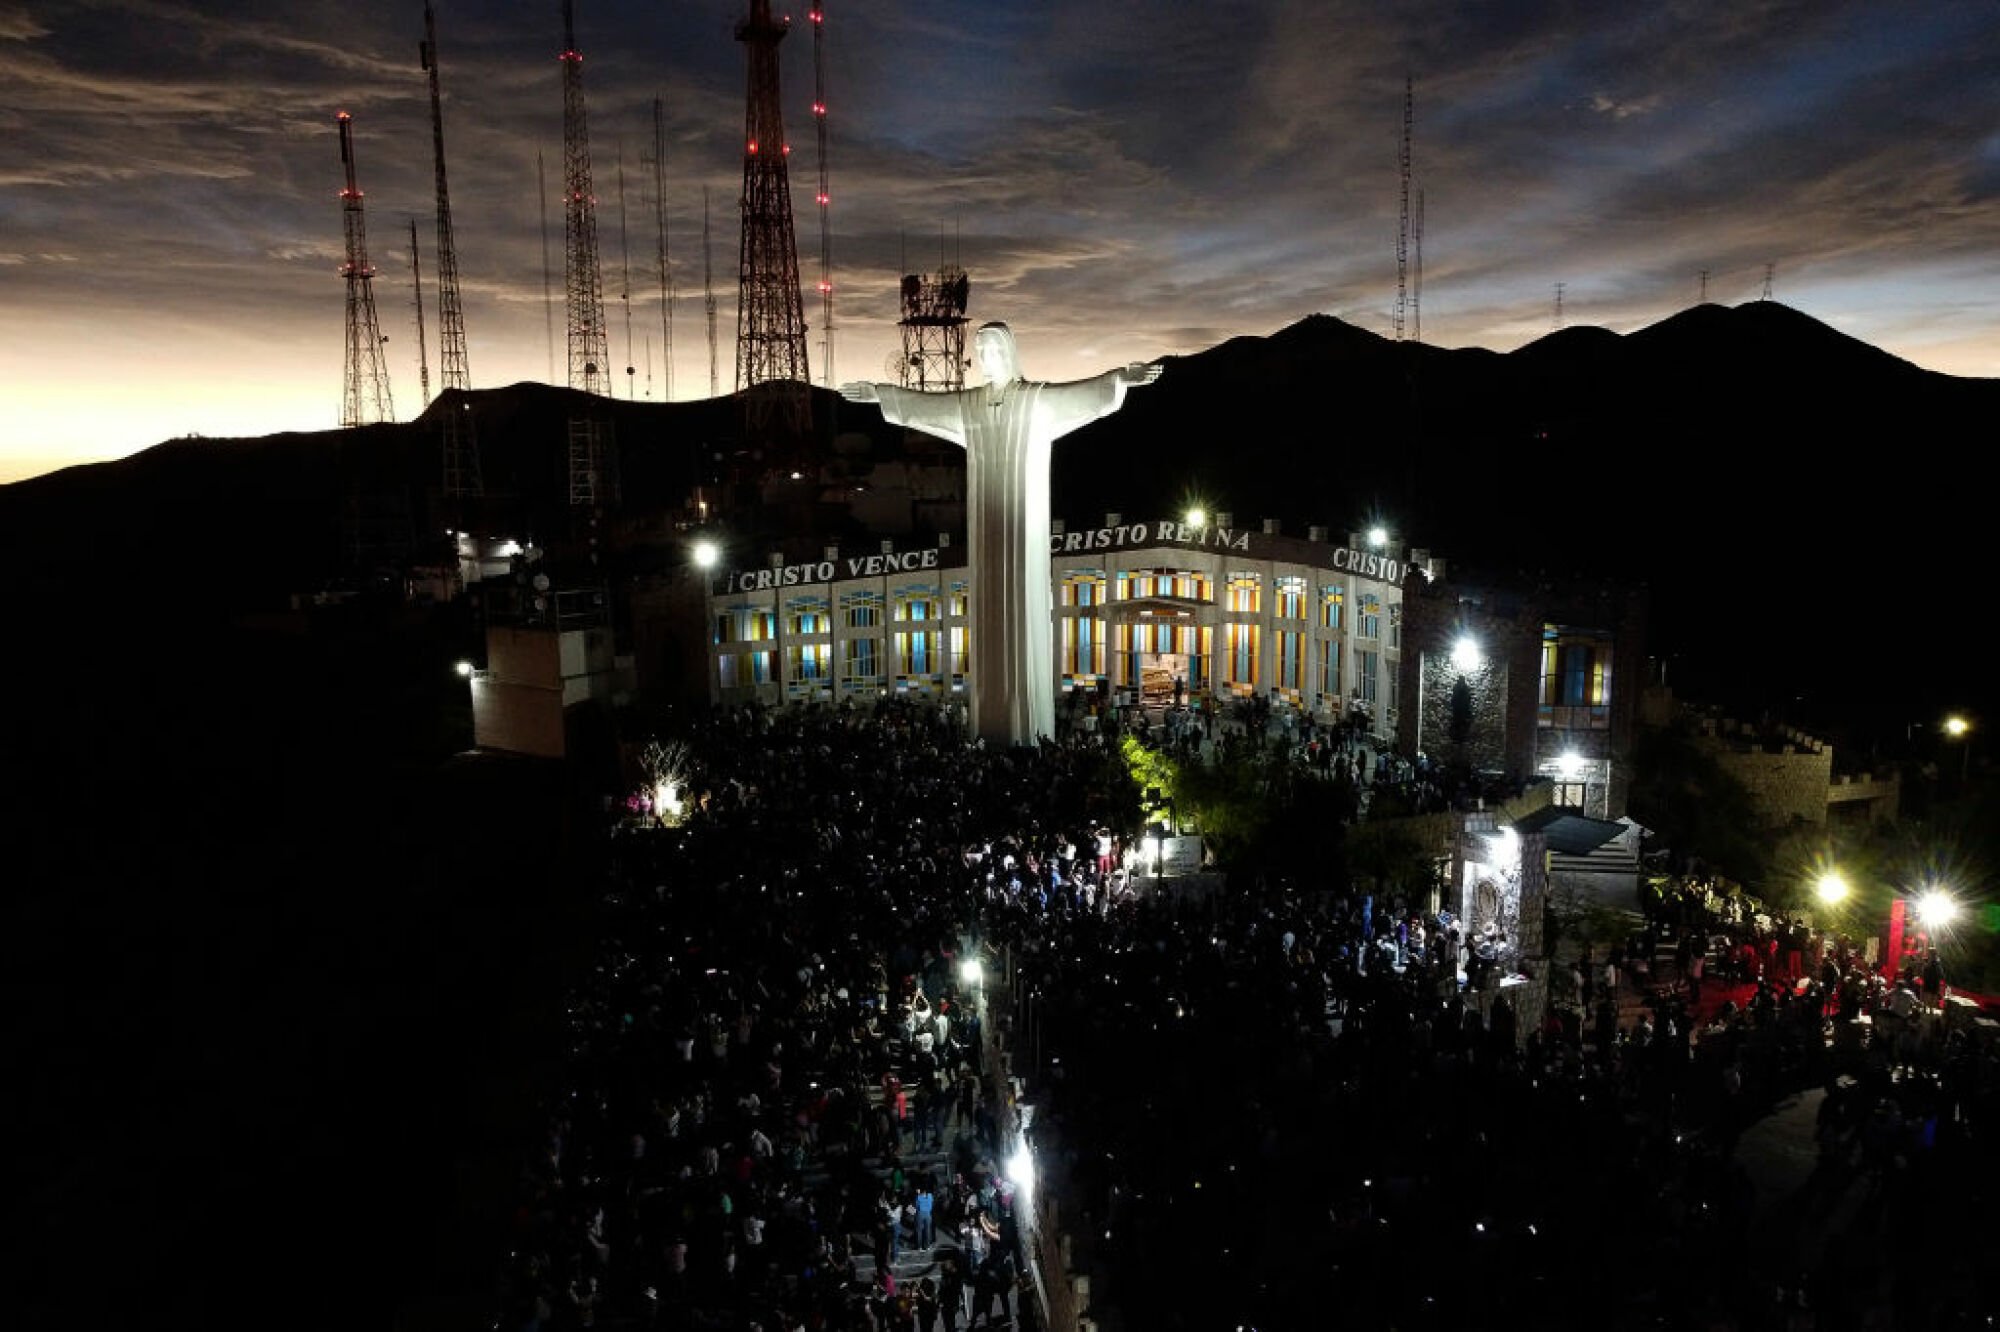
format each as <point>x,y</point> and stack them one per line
<point>1008,428</point>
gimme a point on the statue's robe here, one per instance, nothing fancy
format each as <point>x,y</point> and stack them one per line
<point>1009,437</point>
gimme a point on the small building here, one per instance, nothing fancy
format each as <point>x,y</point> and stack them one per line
<point>1527,677</point>
<point>548,656</point>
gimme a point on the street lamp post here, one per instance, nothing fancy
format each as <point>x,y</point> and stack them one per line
<point>1959,729</point>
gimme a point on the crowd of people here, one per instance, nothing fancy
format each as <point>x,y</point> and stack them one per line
<point>1250,1111</point>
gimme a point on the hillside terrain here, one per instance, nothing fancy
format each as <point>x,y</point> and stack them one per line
<point>1791,497</point>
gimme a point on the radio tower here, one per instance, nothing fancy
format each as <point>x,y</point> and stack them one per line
<point>366,399</point>
<point>548,282</point>
<point>461,444</point>
<point>452,372</point>
<point>1417,263</point>
<point>1557,323</point>
<point>583,289</point>
<point>708,295</point>
<point>825,199</point>
<point>771,369</point>
<point>417,280</point>
<point>1403,227</point>
<point>592,463</point>
<point>933,325</point>
<point>625,270</point>
<point>666,267</point>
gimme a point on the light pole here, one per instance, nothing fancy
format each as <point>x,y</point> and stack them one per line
<point>1960,729</point>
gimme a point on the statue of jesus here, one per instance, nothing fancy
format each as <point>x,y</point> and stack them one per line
<point>1008,428</point>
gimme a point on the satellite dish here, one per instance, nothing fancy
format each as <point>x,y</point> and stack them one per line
<point>541,585</point>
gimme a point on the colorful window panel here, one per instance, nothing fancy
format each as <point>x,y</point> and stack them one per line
<point>1245,593</point>
<point>808,615</point>
<point>863,610</point>
<point>1083,587</point>
<point>861,659</point>
<point>1332,600</point>
<point>916,601</point>
<point>1290,590</point>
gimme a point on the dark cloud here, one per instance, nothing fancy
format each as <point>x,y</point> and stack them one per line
<point>1119,178</point>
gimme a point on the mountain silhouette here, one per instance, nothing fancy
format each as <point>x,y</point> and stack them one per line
<point>1793,498</point>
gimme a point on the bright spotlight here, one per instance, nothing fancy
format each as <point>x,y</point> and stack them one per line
<point>706,554</point>
<point>464,669</point>
<point>1021,1169</point>
<point>1378,536</point>
<point>970,972</point>
<point>1831,888</point>
<point>1465,654</point>
<point>1936,908</point>
<point>1197,517</point>
<point>1569,764</point>
<point>1956,727</point>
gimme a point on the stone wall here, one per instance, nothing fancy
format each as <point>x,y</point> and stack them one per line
<point>1485,746</point>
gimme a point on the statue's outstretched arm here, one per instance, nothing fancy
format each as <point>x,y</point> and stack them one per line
<point>933,413</point>
<point>1084,400</point>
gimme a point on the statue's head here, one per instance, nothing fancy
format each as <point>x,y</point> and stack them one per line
<point>993,347</point>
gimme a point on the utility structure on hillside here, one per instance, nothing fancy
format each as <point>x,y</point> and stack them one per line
<point>664,254</point>
<point>452,371</point>
<point>1417,271</point>
<point>460,440</point>
<point>771,369</point>
<point>824,197</point>
<point>365,400</point>
<point>708,298</point>
<point>593,460</point>
<point>933,324</point>
<point>1403,225</point>
<point>417,283</point>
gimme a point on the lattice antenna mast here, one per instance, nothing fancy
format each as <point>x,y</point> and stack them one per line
<point>548,281</point>
<point>1557,323</point>
<point>708,294</point>
<point>666,264</point>
<point>1417,266</point>
<point>1770,271</point>
<point>452,371</point>
<point>933,325</point>
<point>589,359</point>
<point>366,396</point>
<point>1403,225</point>
<point>417,278</point>
<point>625,261</point>
<point>1703,297</point>
<point>824,197</point>
<point>770,316</point>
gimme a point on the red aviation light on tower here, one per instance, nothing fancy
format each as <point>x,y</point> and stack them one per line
<point>753,146</point>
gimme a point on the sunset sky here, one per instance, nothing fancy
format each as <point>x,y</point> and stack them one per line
<point>1121,180</point>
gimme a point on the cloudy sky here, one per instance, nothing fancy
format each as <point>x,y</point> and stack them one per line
<point>1120,179</point>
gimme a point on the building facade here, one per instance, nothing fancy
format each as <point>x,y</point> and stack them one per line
<point>1145,612</point>
<point>1527,678</point>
